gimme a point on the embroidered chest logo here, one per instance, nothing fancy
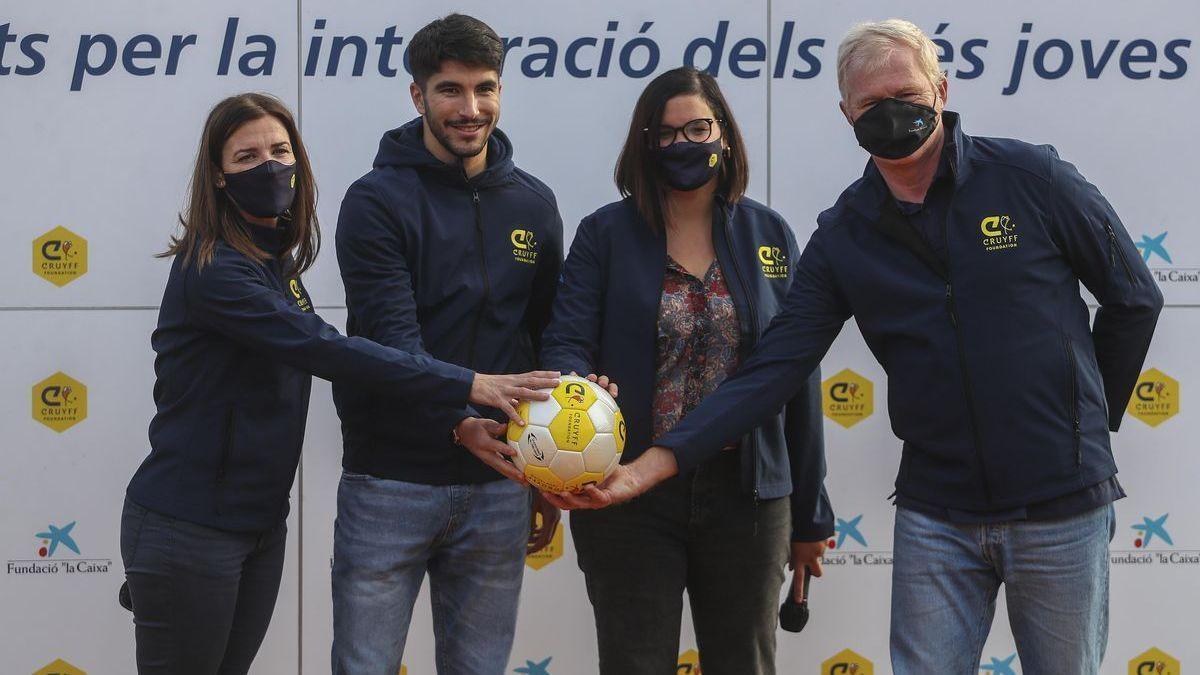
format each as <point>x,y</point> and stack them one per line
<point>525,247</point>
<point>301,296</point>
<point>773,261</point>
<point>999,233</point>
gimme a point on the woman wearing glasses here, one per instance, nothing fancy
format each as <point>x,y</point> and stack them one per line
<point>664,292</point>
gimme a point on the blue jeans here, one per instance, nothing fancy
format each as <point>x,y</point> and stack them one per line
<point>944,583</point>
<point>202,597</point>
<point>388,534</point>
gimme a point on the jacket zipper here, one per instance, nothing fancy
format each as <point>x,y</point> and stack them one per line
<point>1074,403</point>
<point>737,270</point>
<point>962,366</point>
<point>1114,252</point>
<point>487,284</point>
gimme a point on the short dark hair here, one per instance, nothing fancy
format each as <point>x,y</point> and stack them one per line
<point>456,37</point>
<point>637,174</point>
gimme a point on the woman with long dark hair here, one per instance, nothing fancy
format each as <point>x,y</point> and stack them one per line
<point>665,292</point>
<point>237,343</point>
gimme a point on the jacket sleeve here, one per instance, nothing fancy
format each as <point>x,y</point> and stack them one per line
<point>231,297</point>
<point>1104,258</point>
<point>570,341</point>
<point>373,261</point>
<point>804,433</point>
<point>790,349</point>
<point>545,284</point>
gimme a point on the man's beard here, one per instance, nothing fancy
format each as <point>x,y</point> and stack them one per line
<point>442,134</point>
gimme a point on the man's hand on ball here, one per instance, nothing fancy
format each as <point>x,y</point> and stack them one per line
<point>623,484</point>
<point>503,391</point>
<point>478,436</point>
<point>602,380</point>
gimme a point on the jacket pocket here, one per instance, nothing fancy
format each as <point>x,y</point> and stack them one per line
<point>1073,398</point>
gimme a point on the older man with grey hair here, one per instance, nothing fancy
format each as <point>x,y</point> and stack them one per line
<point>961,257</point>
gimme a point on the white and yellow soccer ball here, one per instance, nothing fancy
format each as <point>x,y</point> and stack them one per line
<point>571,439</point>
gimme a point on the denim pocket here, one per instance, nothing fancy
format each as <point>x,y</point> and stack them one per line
<point>133,517</point>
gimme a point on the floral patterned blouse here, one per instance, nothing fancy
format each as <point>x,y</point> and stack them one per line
<point>697,341</point>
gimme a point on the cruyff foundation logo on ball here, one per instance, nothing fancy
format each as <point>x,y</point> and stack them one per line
<point>847,662</point>
<point>60,402</point>
<point>847,398</point>
<point>301,295</point>
<point>56,553</point>
<point>999,233</point>
<point>553,550</point>
<point>1154,661</point>
<point>525,247</point>
<point>1155,398</point>
<point>60,256</point>
<point>59,667</point>
<point>773,261</point>
<point>689,663</point>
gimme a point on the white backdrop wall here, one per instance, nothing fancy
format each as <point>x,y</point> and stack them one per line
<point>98,130</point>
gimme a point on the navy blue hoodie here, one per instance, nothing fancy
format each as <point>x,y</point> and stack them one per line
<point>1000,390</point>
<point>434,263</point>
<point>237,344</point>
<point>606,322</point>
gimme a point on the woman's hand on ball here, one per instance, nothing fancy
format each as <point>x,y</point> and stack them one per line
<point>500,391</point>
<point>478,436</point>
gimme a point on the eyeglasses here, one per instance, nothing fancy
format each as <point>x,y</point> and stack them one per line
<point>696,131</point>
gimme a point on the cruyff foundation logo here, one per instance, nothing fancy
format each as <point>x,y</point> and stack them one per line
<point>301,295</point>
<point>59,402</point>
<point>773,261</point>
<point>847,398</point>
<point>59,667</point>
<point>1155,398</point>
<point>60,256</point>
<point>553,550</point>
<point>525,247</point>
<point>847,662</point>
<point>689,663</point>
<point>999,233</point>
<point>1154,661</point>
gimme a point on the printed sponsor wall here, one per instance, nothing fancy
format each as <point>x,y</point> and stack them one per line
<point>100,112</point>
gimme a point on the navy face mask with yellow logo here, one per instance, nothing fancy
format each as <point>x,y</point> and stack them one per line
<point>686,165</point>
<point>894,129</point>
<point>265,191</point>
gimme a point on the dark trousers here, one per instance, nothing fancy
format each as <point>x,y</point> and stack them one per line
<point>697,531</point>
<point>202,597</point>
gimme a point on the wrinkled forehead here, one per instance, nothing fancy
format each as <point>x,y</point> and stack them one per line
<point>884,73</point>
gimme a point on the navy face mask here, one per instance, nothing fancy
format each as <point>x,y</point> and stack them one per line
<point>894,129</point>
<point>687,166</point>
<point>265,191</point>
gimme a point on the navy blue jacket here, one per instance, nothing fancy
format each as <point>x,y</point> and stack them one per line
<point>606,322</point>
<point>237,344</point>
<point>434,263</point>
<point>1000,390</point>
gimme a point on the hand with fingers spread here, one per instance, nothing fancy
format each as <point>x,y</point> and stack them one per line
<point>479,436</point>
<point>543,521</point>
<point>502,391</point>
<point>805,555</point>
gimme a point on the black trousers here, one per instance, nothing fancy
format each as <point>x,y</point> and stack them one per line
<point>699,532</point>
<point>202,597</point>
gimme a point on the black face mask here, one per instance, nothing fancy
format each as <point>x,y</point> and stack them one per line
<point>265,191</point>
<point>894,129</point>
<point>687,166</point>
